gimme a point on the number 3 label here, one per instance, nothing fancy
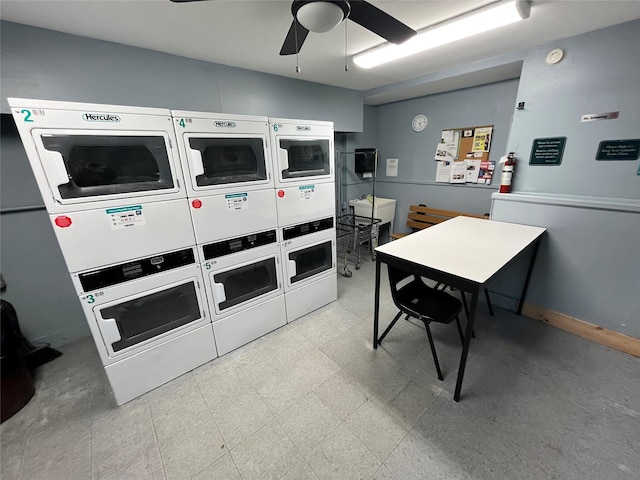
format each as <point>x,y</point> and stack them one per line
<point>90,299</point>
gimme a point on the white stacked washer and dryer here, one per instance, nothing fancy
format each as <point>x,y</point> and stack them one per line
<point>303,159</point>
<point>112,184</point>
<point>186,234</point>
<point>227,166</point>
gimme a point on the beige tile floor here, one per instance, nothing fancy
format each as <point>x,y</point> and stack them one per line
<point>313,400</point>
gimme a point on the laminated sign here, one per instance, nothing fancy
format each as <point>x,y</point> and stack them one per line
<point>619,150</point>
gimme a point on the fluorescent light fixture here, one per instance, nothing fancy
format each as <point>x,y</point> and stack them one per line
<point>493,16</point>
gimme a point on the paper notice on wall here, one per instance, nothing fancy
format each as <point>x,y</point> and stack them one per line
<point>443,172</point>
<point>392,167</point>
<point>482,139</point>
<point>445,152</point>
<point>447,136</point>
<point>473,170</point>
<point>485,172</point>
<point>458,172</point>
<point>452,139</point>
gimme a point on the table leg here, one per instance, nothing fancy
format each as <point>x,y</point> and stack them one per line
<point>526,281</point>
<point>376,308</point>
<point>467,341</point>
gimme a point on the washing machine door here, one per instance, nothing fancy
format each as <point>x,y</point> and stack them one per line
<point>148,316</point>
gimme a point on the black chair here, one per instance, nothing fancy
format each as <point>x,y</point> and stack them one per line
<point>416,299</point>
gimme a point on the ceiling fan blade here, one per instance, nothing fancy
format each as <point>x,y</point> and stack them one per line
<point>185,1</point>
<point>294,40</point>
<point>379,22</point>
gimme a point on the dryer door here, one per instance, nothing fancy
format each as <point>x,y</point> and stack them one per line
<point>215,162</point>
<point>243,284</point>
<point>85,166</point>
<point>148,316</point>
<point>303,262</point>
<point>303,159</point>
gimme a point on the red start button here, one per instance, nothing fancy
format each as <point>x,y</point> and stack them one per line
<point>63,221</point>
<point>196,203</point>
<point>281,193</point>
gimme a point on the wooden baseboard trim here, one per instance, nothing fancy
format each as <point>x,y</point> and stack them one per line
<point>619,341</point>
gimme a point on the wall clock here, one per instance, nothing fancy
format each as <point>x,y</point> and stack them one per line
<point>419,123</point>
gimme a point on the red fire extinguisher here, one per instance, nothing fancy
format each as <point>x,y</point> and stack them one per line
<point>507,173</point>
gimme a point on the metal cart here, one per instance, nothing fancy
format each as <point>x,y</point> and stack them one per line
<point>352,233</point>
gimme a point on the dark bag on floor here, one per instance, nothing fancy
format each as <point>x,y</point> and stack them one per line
<point>17,384</point>
<point>14,345</point>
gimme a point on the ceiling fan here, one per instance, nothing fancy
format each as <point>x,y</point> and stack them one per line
<point>323,15</point>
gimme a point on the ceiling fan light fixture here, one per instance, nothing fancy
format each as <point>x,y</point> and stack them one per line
<point>478,21</point>
<point>320,16</point>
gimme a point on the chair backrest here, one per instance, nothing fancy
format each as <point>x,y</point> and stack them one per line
<point>397,275</point>
<point>414,297</point>
<point>397,279</point>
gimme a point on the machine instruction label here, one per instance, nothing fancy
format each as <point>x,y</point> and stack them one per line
<point>307,192</point>
<point>126,217</point>
<point>237,201</point>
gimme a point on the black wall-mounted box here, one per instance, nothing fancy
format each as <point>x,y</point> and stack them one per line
<point>366,159</point>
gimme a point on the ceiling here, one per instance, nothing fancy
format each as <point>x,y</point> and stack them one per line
<point>249,34</point>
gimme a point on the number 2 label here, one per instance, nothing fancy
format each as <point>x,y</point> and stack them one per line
<point>27,115</point>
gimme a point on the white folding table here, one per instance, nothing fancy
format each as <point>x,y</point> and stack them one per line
<point>465,253</point>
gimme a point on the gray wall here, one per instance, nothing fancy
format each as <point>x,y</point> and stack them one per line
<point>491,104</point>
<point>38,284</point>
<point>600,72</point>
<point>38,63</point>
<point>352,184</point>
<point>595,280</point>
<point>589,264</point>
<point>44,64</point>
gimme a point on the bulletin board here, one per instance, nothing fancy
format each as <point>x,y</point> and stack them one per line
<point>463,155</point>
<point>473,142</point>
